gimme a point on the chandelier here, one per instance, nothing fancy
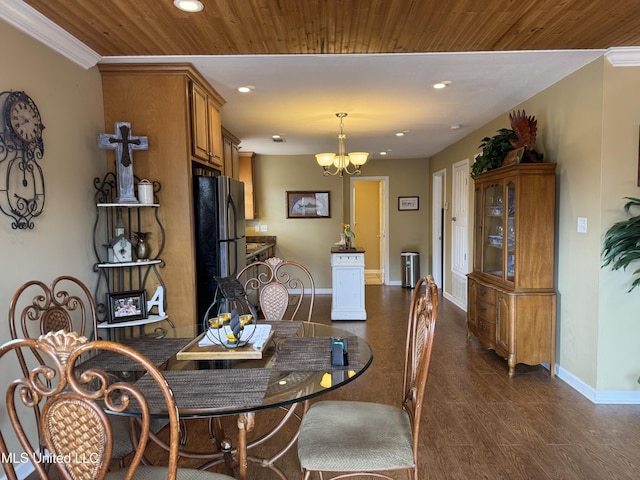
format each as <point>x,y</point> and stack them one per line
<point>341,161</point>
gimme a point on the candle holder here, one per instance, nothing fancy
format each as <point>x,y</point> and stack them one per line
<point>235,317</point>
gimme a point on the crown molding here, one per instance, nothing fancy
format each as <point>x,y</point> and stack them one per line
<point>33,23</point>
<point>623,56</point>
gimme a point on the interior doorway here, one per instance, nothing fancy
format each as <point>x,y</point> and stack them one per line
<point>369,221</point>
<point>439,182</point>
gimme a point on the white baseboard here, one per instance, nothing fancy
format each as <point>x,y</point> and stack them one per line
<point>455,301</point>
<point>622,397</point>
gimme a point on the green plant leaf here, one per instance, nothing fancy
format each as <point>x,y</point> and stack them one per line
<point>621,243</point>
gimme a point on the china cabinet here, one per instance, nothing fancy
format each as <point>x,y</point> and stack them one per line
<point>157,99</point>
<point>347,286</point>
<point>511,297</point>
<point>122,271</point>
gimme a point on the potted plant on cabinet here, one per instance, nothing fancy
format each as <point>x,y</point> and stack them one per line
<point>621,244</point>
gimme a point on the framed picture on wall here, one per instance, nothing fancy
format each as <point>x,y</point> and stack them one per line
<point>408,203</point>
<point>308,204</point>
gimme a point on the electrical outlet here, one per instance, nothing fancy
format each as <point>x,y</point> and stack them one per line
<point>582,224</point>
<point>263,228</point>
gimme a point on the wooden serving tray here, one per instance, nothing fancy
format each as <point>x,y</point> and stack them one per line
<point>193,351</point>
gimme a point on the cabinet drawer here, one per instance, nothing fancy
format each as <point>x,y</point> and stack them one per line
<point>347,259</point>
<point>486,311</point>
<point>487,330</point>
<point>486,294</point>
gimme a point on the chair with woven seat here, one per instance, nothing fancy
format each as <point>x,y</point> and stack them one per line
<point>74,402</point>
<point>284,290</point>
<point>350,438</point>
<point>66,304</point>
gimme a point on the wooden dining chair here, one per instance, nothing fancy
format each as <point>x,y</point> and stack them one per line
<point>284,290</point>
<point>66,304</point>
<point>73,420</point>
<point>361,438</point>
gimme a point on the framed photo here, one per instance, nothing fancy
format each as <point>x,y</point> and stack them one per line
<point>408,203</point>
<point>125,306</point>
<point>308,204</point>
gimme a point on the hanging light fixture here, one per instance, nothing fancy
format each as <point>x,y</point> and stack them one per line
<point>342,160</point>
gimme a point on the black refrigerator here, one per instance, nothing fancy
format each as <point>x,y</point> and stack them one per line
<point>221,249</point>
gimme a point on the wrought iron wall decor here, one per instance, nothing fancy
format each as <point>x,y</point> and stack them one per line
<point>22,191</point>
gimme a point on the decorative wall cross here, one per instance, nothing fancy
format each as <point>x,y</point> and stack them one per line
<point>123,143</point>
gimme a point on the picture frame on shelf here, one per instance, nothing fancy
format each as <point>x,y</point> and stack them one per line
<point>126,306</point>
<point>408,203</point>
<point>308,204</point>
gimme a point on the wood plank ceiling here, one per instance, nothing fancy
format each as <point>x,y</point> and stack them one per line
<point>239,27</point>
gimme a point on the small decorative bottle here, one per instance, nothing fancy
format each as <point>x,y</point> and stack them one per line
<point>142,247</point>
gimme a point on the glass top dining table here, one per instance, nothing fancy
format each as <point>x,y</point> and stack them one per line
<point>295,366</point>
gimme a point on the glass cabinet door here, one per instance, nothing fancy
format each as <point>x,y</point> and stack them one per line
<point>510,234</point>
<point>493,233</point>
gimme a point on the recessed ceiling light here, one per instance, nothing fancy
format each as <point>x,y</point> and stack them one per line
<point>246,88</point>
<point>190,6</point>
<point>443,84</point>
<point>400,134</point>
<point>383,153</point>
<point>455,126</point>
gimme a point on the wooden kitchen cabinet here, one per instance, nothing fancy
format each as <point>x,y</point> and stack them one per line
<point>206,127</point>
<point>512,302</point>
<point>231,154</point>
<point>157,100</point>
<point>246,175</point>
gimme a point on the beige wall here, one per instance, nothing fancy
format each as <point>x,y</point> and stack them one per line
<point>619,322</point>
<point>588,124</point>
<point>70,102</point>
<point>309,240</point>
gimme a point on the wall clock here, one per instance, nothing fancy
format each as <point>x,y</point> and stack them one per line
<point>21,148</point>
<point>23,117</point>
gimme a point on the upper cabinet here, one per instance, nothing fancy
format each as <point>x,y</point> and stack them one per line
<point>206,133</point>
<point>230,154</point>
<point>246,175</point>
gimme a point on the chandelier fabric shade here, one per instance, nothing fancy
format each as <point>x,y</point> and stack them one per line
<point>341,160</point>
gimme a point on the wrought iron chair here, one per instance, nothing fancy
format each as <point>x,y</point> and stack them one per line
<point>284,290</point>
<point>66,304</point>
<point>75,427</point>
<point>362,438</point>
<point>281,291</point>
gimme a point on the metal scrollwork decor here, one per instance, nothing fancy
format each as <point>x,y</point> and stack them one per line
<point>21,148</point>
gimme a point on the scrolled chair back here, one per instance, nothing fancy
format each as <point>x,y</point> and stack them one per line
<point>283,289</point>
<point>73,401</point>
<point>420,333</point>
<point>65,304</point>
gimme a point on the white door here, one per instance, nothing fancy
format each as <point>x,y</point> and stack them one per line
<point>437,230</point>
<point>459,232</point>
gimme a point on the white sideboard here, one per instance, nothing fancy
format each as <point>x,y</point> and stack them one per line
<point>347,302</point>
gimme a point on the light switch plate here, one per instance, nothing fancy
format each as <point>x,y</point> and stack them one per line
<point>582,224</point>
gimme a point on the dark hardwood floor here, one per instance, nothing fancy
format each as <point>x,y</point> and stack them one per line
<point>479,423</point>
